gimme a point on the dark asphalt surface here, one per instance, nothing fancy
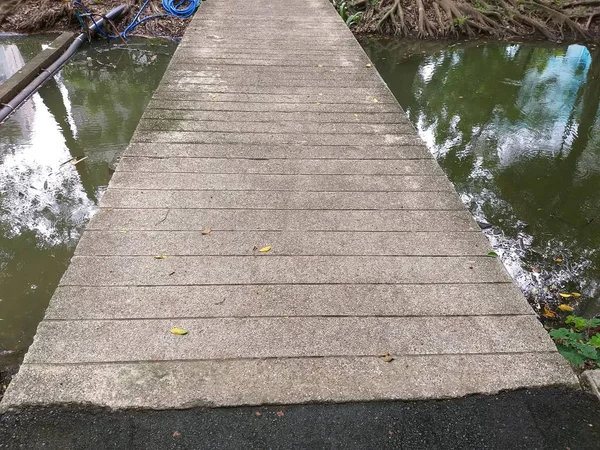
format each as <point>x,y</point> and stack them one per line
<point>529,419</point>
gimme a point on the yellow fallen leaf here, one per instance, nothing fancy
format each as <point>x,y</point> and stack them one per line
<point>565,308</point>
<point>386,357</point>
<point>160,257</point>
<point>265,249</point>
<point>207,230</point>
<point>179,331</point>
<point>575,294</point>
<point>558,260</point>
<point>460,96</point>
<point>547,313</point>
<point>123,231</point>
<point>564,295</point>
<point>368,64</point>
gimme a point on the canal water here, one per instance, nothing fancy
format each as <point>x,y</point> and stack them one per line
<point>515,127</point>
<point>91,110</point>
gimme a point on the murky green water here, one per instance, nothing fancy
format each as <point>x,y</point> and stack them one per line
<point>91,109</point>
<point>515,127</point>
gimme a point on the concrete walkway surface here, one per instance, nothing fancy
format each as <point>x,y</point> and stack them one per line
<point>272,129</point>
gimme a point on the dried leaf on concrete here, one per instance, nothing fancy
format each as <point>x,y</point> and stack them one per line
<point>179,331</point>
<point>386,357</point>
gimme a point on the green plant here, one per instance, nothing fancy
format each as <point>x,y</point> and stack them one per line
<point>459,21</point>
<point>577,343</point>
<point>345,11</point>
<point>342,8</point>
<point>354,18</point>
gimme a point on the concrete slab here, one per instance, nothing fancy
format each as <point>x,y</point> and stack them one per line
<point>279,300</point>
<point>275,127</point>
<point>20,79</point>
<point>327,94</point>
<point>274,182</point>
<point>188,77</point>
<point>592,379</point>
<point>316,71</point>
<point>279,166</point>
<point>271,268</point>
<point>373,201</point>
<point>330,243</point>
<point>196,137</point>
<point>348,98</point>
<point>258,116</point>
<point>127,220</point>
<point>413,149</point>
<point>96,341</point>
<point>235,382</point>
<point>188,104</point>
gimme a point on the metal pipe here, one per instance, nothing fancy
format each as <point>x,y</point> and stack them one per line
<point>9,107</point>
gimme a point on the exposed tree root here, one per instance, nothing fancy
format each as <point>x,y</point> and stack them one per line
<point>555,21</point>
<point>470,18</point>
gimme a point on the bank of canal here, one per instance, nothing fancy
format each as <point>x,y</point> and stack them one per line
<point>515,127</point>
<point>90,110</point>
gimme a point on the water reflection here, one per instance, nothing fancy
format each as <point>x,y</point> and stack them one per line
<point>91,109</point>
<point>515,128</point>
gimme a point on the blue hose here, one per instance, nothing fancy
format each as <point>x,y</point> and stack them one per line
<point>183,9</point>
<point>179,9</point>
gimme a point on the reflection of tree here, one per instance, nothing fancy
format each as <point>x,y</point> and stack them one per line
<point>567,199</point>
<point>459,83</point>
<point>53,100</point>
<point>94,109</point>
<point>515,128</point>
<point>109,94</point>
<point>591,101</point>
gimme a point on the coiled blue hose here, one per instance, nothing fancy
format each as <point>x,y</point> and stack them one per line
<point>183,9</point>
<point>180,9</point>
